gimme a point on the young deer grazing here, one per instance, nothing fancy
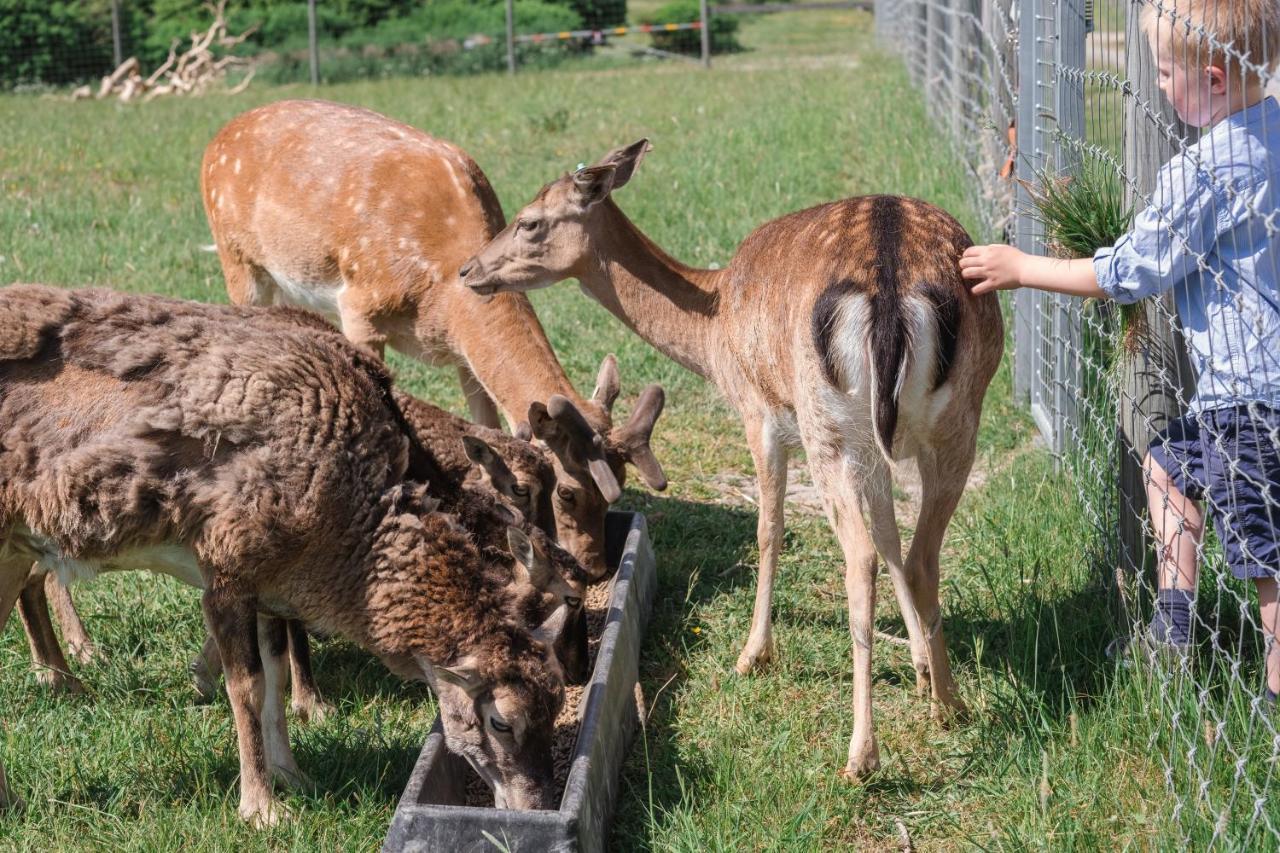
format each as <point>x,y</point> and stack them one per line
<point>269,466</point>
<point>846,327</point>
<point>366,220</point>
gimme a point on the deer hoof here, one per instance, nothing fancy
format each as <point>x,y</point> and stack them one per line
<point>860,768</point>
<point>753,660</point>
<point>266,813</point>
<point>60,682</point>
<point>85,653</point>
<point>311,710</point>
<point>950,711</point>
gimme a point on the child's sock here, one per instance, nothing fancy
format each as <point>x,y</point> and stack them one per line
<point>1269,695</point>
<point>1171,622</point>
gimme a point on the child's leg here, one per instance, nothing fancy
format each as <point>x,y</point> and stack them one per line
<point>1269,602</point>
<point>1178,524</point>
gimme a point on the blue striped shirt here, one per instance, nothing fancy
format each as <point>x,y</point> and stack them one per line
<point>1212,236</point>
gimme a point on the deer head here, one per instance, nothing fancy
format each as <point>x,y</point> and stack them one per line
<point>550,239</point>
<point>498,708</point>
<point>548,579</point>
<point>590,460</point>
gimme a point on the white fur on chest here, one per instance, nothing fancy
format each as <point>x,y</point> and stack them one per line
<point>177,561</point>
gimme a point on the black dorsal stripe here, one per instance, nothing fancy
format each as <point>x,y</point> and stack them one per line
<point>888,323</point>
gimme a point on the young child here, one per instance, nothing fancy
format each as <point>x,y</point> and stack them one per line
<point>1212,236</point>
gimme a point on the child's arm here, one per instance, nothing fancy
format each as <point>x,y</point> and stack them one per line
<point>999,267</point>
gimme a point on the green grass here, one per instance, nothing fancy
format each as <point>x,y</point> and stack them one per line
<point>99,193</point>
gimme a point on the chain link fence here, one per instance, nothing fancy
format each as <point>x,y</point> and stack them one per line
<point>46,46</point>
<point>1033,92</point>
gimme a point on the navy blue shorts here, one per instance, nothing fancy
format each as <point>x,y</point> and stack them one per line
<point>1230,459</point>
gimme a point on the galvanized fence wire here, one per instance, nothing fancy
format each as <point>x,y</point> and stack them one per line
<point>1078,84</point>
<point>78,43</point>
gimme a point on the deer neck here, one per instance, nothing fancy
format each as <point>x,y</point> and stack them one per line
<point>508,351</point>
<point>669,304</point>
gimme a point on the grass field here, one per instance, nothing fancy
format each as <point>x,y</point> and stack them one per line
<point>1058,751</point>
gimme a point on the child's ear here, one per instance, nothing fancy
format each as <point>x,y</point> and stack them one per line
<point>1217,76</point>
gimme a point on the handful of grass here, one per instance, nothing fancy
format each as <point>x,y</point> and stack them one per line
<point>1081,213</point>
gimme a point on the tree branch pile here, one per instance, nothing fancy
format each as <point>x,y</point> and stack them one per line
<point>190,72</point>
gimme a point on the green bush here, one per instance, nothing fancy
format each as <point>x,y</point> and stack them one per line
<point>58,42</point>
<point>724,29</point>
<point>432,40</point>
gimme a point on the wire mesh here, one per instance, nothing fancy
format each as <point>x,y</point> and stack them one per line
<point>69,44</point>
<point>1078,85</point>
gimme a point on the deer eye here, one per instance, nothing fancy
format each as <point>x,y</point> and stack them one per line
<point>565,493</point>
<point>520,491</point>
<point>573,601</point>
<point>499,726</point>
<point>529,224</point>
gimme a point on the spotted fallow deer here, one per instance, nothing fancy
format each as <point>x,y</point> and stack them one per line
<point>845,327</point>
<point>367,220</point>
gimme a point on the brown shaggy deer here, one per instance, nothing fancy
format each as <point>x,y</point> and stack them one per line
<point>270,467</point>
<point>359,217</point>
<point>845,328</point>
<point>460,451</point>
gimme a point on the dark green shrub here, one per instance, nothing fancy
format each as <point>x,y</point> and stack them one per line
<point>58,42</point>
<point>724,29</point>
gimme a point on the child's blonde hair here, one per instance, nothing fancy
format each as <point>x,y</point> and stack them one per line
<point>1243,36</point>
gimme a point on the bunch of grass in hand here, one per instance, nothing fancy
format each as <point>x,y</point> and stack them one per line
<point>1081,213</point>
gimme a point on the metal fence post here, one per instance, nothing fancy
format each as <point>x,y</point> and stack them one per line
<point>511,37</point>
<point>311,42</point>
<point>1030,160</point>
<point>1069,65</point>
<point>117,50</point>
<point>705,31</point>
<point>933,52</point>
<point>1147,401</point>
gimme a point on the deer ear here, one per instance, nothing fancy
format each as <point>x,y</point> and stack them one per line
<point>531,564</point>
<point>592,185</point>
<point>524,432</point>
<point>625,160</point>
<point>632,439</point>
<point>493,465</point>
<point>551,628</point>
<point>607,383</point>
<point>463,674</point>
<point>541,424</point>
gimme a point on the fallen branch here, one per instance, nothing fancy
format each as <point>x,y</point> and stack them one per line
<point>191,72</point>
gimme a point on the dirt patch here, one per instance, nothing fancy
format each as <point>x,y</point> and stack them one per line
<point>596,602</point>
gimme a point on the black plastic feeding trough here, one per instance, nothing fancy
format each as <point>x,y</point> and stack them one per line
<point>433,815</point>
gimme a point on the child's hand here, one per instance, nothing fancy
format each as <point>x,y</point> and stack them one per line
<point>995,267</point>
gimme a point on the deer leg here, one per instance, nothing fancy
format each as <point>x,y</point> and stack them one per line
<point>8,800</point>
<point>884,532</point>
<point>64,610</point>
<point>943,476</point>
<point>307,702</point>
<point>770,458</point>
<point>273,643</point>
<point>840,481</point>
<point>46,652</point>
<point>233,622</point>
<point>205,669</point>
<point>13,577</point>
<point>483,410</point>
<point>358,326</point>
